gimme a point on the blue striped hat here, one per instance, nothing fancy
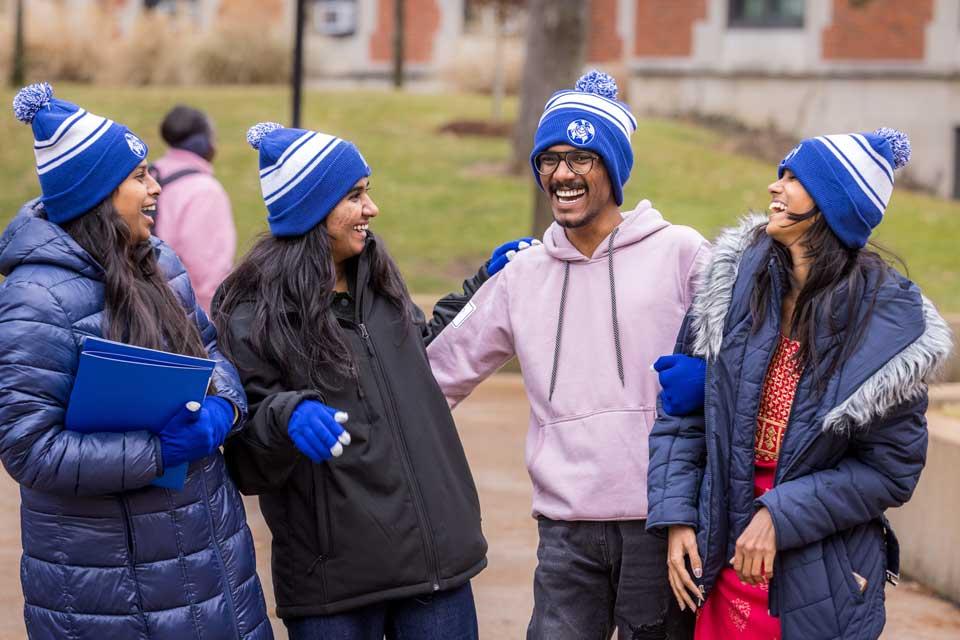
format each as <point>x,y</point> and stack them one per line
<point>590,117</point>
<point>850,177</point>
<point>81,157</point>
<point>303,175</point>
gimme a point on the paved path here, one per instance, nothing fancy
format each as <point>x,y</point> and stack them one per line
<point>492,424</point>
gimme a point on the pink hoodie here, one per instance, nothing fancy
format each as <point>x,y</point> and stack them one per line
<point>194,218</point>
<point>586,447</point>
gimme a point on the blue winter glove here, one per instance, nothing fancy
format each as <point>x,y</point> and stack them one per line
<point>315,430</point>
<point>221,414</point>
<point>187,436</point>
<point>506,252</point>
<point>684,381</point>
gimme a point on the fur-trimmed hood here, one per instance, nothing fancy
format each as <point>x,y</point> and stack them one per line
<point>902,377</point>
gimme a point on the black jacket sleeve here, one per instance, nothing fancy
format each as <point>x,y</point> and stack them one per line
<point>261,456</point>
<point>450,305</point>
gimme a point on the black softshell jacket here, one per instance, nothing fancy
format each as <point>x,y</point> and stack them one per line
<point>397,515</point>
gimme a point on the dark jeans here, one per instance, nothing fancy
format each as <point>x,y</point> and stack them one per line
<point>445,615</point>
<point>593,577</point>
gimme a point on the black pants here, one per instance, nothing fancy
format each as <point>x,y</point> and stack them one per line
<point>594,577</point>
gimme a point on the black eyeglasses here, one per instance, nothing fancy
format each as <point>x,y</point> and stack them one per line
<point>580,162</point>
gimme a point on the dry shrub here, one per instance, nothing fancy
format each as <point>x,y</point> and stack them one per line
<point>241,50</point>
<point>158,50</point>
<point>86,44</point>
<point>6,52</point>
<point>471,68</point>
<point>67,45</point>
<point>237,53</point>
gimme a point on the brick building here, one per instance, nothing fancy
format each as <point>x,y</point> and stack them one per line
<point>803,67</point>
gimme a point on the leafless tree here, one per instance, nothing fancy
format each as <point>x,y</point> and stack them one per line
<point>556,51</point>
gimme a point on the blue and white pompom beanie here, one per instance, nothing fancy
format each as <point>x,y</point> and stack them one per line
<point>303,175</point>
<point>850,177</point>
<point>590,117</point>
<point>81,157</point>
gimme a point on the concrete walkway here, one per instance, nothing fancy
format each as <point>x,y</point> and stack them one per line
<point>492,424</point>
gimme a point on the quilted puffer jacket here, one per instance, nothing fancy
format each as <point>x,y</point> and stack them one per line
<point>847,456</point>
<point>105,554</point>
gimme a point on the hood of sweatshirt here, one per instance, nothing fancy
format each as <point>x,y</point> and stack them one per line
<point>637,225</point>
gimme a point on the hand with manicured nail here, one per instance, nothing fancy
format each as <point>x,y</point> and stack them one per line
<point>681,546</point>
<point>315,430</point>
<point>507,252</point>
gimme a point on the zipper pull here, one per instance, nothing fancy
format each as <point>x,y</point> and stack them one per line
<point>366,338</point>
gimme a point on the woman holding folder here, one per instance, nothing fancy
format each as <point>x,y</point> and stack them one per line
<point>106,553</point>
<point>381,537</point>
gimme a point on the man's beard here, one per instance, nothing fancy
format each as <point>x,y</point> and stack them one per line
<point>587,218</point>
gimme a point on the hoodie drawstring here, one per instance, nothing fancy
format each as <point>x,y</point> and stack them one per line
<point>556,346</point>
<point>613,310</point>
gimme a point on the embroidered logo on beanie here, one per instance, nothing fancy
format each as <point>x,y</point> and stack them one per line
<point>136,145</point>
<point>589,117</point>
<point>580,132</point>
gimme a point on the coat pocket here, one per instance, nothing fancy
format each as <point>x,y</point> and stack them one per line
<point>850,575</point>
<point>324,526</point>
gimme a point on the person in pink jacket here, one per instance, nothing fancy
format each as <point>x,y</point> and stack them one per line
<point>193,215</point>
<point>586,313</point>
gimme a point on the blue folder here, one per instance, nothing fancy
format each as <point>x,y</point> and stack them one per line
<point>120,387</point>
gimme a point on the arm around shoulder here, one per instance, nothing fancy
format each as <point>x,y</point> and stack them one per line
<point>477,342</point>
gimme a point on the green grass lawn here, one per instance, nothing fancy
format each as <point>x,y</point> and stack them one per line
<point>443,203</point>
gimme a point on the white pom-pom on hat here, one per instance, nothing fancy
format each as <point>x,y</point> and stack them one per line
<point>598,82</point>
<point>258,132</point>
<point>30,99</point>
<point>899,145</point>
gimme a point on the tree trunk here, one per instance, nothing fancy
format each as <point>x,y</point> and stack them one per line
<point>555,54</point>
<point>18,66</point>
<point>399,20</point>
<point>500,12</point>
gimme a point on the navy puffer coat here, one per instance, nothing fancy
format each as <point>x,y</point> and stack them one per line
<point>106,555</point>
<point>848,454</point>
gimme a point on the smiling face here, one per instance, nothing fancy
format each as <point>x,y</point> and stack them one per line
<point>136,202</point>
<point>788,196</point>
<point>577,200</point>
<point>347,224</point>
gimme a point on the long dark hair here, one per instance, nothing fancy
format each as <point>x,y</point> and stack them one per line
<point>139,306</point>
<point>290,282</point>
<point>834,267</point>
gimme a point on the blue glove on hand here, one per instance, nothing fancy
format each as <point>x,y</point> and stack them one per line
<point>195,431</point>
<point>315,430</point>
<point>683,380</point>
<point>506,252</point>
<point>220,412</point>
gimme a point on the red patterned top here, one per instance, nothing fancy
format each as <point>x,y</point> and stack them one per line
<point>778,390</point>
<point>735,610</point>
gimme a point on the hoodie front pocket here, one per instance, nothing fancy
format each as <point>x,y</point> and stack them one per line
<point>593,466</point>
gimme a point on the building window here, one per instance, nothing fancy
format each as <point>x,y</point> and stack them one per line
<point>766,13</point>
<point>337,18</point>
<point>172,7</point>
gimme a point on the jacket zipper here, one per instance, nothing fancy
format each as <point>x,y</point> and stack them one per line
<point>132,555</point>
<point>225,580</point>
<point>711,457</point>
<point>395,425</point>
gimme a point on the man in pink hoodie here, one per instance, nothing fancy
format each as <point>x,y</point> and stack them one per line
<point>586,313</point>
<point>193,212</point>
